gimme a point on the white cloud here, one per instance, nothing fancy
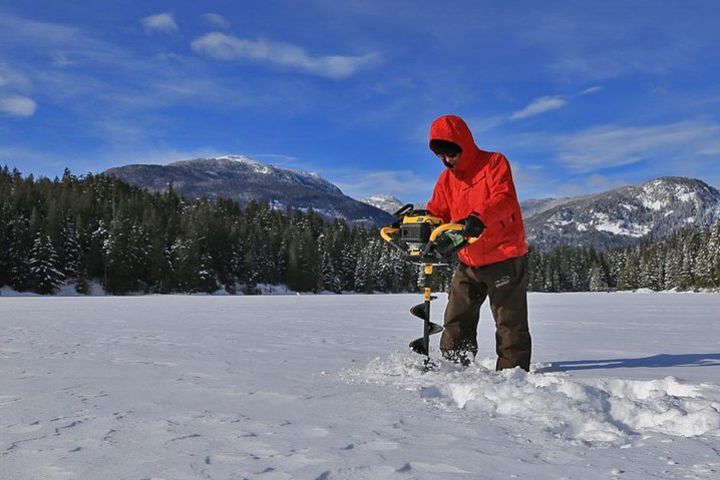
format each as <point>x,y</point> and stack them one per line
<point>16,30</point>
<point>162,22</point>
<point>540,105</point>
<point>66,45</point>
<point>621,61</point>
<point>602,182</point>
<point>131,87</point>
<point>60,59</point>
<point>483,124</point>
<point>17,106</point>
<point>590,90</point>
<point>548,103</point>
<point>405,185</point>
<point>226,47</point>
<point>216,20</point>
<point>614,146</point>
<point>10,77</point>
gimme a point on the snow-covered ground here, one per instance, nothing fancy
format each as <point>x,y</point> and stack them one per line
<point>623,386</point>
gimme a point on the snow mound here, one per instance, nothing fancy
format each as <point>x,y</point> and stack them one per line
<point>9,292</point>
<point>593,411</point>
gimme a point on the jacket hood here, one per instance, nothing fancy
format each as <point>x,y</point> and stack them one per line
<point>452,128</point>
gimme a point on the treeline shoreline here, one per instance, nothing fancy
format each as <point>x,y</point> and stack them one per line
<point>96,228</point>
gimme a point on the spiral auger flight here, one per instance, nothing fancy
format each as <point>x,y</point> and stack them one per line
<point>422,311</point>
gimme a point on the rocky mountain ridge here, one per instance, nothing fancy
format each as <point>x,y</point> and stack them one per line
<point>610,219</point>
<point>625,215</point>
<point>386,203</point>
<point>622,216</point>
<point>243,179</point>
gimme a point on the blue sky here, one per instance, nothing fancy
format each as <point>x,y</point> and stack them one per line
<point>581,96</point>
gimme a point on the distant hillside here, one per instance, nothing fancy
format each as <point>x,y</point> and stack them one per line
<point>625,215</point>
<point>243,179</point>
<point>386,203</point>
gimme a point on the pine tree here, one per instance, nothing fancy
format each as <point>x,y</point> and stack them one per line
<point>206,275</point>
<point>45,277</point>
<point>703,265</point>
<point>19,253</point>
<point>686,279</point>
<point>348,265</point>
<point>534,270</point>
<point>126,257</point>
<point>6,242</point>
<point>70,253</point>
<point>628,277</point>
<point>714,255</point>
<point>363,271</point>
<point>328,279</point>
<point>598,283</point>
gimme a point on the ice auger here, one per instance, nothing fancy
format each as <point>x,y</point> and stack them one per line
<point>418,234</point>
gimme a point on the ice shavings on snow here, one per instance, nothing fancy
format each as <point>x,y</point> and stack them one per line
<point>595,411</point>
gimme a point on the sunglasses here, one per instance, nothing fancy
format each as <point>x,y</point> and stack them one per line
<point>447,155</point>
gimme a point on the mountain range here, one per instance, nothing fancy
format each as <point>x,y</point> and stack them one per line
<point>622,216</point>
<point>387,203</point>
<point>243,179</point>
<point>614,218</point>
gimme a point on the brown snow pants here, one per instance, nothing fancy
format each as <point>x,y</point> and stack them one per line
<point>506,284</point>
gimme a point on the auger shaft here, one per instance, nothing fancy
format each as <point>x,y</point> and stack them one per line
<point>422,310</point>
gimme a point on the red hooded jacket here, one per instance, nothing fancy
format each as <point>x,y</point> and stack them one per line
<point>480,184</point>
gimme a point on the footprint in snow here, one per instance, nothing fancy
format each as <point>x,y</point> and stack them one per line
<point>317,432</point>
<point>24,427</point>
<point>8,399</point>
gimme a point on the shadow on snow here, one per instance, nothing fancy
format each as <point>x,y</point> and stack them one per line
<point>661,360</point>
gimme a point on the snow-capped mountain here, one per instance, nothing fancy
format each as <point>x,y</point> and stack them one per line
<point>387,203</point>
<point>625,215</point>
<point>244,179</point>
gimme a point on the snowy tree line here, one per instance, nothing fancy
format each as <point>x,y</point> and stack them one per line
<point>98,228</point>
<point>686,260</point>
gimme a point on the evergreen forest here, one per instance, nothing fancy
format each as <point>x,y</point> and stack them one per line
<point>95,228</point>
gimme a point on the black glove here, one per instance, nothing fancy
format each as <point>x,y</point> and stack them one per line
<point>473,226</point>
<point>444,244</point>
<point>449,242</point>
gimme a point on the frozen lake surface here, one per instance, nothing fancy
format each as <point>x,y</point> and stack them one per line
<point>623,386</point>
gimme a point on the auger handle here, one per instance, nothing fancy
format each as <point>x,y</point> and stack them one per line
<point>455,227</point>
<point>387,234</point>
<point>404,210</point>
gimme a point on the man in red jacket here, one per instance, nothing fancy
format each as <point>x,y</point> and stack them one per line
<point>477,189</point>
